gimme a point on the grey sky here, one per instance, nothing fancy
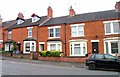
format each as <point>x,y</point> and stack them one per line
<point>10,8</point>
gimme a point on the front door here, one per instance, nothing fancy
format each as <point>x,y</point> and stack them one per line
<point>95,47</point>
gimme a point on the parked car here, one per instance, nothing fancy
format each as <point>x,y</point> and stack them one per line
<point>94,61</point>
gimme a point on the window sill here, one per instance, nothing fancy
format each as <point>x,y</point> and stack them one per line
<point>78,36</point>
<point>53,37</point>
<point>111,33</point>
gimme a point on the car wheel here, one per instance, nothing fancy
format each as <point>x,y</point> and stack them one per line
<point>91,66</point>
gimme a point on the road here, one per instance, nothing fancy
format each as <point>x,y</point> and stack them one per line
<point>10,67</point>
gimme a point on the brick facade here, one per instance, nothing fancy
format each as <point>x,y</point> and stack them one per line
<point>94,32</point>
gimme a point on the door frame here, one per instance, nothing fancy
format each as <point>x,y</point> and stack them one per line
<point>95,50</point>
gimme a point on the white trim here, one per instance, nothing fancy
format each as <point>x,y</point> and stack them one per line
<point>77,24</point>
<point>111,26</point>
<point>81,45</point>
<point>1,40</point>
<point>54,42</point>
<point>95,41</point>
<point>29,27</point>
<point>112,38</point>
<point>41,42</point>
<point>109,41</point>
<point>77,30</point>
<point>30,46</point>
<point>54,27</point>
<point>111,21</point>
<point>78,40</point>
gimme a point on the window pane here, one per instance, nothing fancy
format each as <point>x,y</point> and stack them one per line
<point>116,27</point>
<point>80,30</point>
<point>84,48</point>
<point>74,30</point>
<point>52,46</point>
<point>114,47</point>
<point>108,27</point>
<point>51,33</point>
<point>29,32</point>
<point>57,32</point>
<point>58,48</point>
<point>106,44</point>
<point>27,47</point>
<point>77,50</point>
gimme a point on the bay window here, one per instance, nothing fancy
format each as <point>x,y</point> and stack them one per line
<point>54,46</point>
<point>78,48</point>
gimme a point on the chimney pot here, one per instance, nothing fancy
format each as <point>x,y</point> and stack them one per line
<point>71,11</point>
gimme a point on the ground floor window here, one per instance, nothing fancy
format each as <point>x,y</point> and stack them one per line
<point>112,46</point>
<point>29,46</point>
<point>8,46</point>
<point>78,48</point>
<point>54,46</point>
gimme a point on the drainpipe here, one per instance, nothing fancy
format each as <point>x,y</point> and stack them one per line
<point>65,39</point>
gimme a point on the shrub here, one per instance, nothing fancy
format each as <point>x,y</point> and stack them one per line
<point>55,53</point>
<point>52,53</point>
<point>43,53</point>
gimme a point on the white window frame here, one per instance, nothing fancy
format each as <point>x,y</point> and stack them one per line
<point>35,19</point>
<point>111,24</point>
<point>56,43</point>
<point>81,43</point>
<point>31,31</point>
<point>9,34</point>
<point>19,21</point>
<point>76,25</point>
<point>109,41</point>
<point>30,46</point>
<point>54,34</point>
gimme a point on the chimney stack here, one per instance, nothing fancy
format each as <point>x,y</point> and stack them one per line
<point>0,20</point>
<point>20,15</point>
<point>71,11</point>
<point>50,11</point>
<point>117,6</point>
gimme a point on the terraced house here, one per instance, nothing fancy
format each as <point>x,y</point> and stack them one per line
<point>75,35</point>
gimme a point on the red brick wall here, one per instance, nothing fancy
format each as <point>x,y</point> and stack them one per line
<point>43,35</point>
<point>91,30</point>
<point>95,31</point>
<point>19,34</point>
<point>1,33</point>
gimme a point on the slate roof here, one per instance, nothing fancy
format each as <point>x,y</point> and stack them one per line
<point>7,24</point>
<point>28,22</point>
<point>94,16</point>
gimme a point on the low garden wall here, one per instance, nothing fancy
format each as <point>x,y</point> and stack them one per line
<point>24,56</point>
<point>61,59</point>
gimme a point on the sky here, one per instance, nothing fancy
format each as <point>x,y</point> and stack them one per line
<point>9,9</point>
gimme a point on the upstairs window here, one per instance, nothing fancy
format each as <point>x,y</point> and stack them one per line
<point>35,19</point>
<point>29,31</point>
<point>19,21</point>
<point>112,27</point>
<point>9,34</point>
<point>77,30</point>
<point>54,32</point>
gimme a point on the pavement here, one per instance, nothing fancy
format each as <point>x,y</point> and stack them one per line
<point>53,63</point>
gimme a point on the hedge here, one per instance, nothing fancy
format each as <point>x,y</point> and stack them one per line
<point>52,53</point>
